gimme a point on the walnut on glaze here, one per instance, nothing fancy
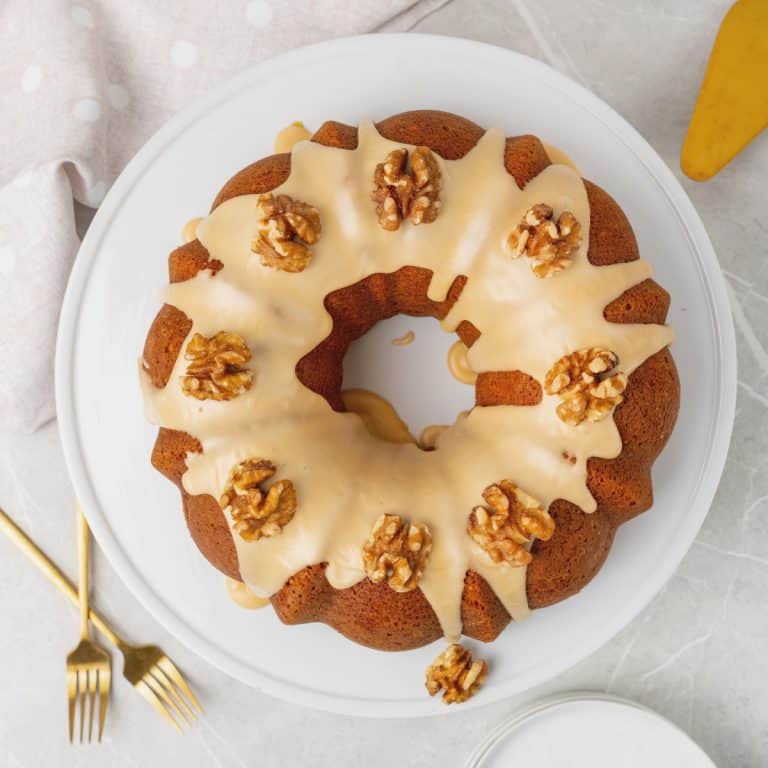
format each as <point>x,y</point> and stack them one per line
<point>456,674</point>
<point>286,228</point>
<point>256,512</point>
<point>585,384</point>
<point>548,243</point>
<point>510,521</point>
<point>217,367</point>
<point>403,192</point>
<point>397,552</point>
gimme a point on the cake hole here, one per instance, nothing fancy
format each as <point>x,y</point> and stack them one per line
<point>414,378</point>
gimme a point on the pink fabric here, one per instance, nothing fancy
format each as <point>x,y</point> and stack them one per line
<point>83,86</point>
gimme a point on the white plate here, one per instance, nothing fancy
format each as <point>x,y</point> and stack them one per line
<point>588,730</point>
<point>114,292</point>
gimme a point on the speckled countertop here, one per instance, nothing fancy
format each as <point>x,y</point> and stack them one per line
<point>697,654</point>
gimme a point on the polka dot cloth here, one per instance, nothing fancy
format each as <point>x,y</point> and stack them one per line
<point>85,85</point>
<point>258,13</point>
<point>183,54</point>
<point>31,79</point>
<point>119,97</point>
<point>82,16</point>
<point>87,110</point>
<point>25,180</point>
<point>7,259</point>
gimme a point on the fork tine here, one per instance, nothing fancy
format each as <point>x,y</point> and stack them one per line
<point>82,685</point>
<point>92,680</point>
<point>171,672</point>
<point>172,690</point>
<point>156,702</point>
<point>158,687</point>
<point>71,698</point>
<point>105,679</point>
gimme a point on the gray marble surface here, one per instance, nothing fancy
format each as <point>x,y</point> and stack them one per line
<point>697,654</point>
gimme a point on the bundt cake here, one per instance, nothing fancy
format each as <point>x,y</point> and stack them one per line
<point>538,273</point>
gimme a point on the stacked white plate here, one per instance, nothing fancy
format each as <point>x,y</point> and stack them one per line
<point>588,730</point>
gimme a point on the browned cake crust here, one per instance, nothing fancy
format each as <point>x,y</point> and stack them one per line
<point>373,614</point>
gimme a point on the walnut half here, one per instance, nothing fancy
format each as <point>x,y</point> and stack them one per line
<point>456,674</point>
<point>509,522</point>
<point>286,228</point>
<point>585,384</point>
<point>403,192</point>
<point>397,552</point>
<point>217,367</point>
<point>548,243</point>
<point>256,513</point>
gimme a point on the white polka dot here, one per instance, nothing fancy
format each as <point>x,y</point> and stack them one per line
<point>7,259</point>
<point>258,13</point>
<point>119,97</point>
<point>87,110</point>
<point>95,193</point>
<point>82,16</point>
<point>24,180</point>
<point>183,54</point>
<point>31,79</point>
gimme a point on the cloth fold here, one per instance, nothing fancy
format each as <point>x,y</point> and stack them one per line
<point>83,87</point>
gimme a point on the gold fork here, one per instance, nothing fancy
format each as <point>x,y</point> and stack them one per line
<point>146,667</point>
<point>88,667</point>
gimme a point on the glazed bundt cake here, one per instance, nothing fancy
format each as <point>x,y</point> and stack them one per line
<point>535,269</point>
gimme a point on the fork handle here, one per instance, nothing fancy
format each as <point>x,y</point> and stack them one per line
<point>83,562</point>
<point>49,569</point>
